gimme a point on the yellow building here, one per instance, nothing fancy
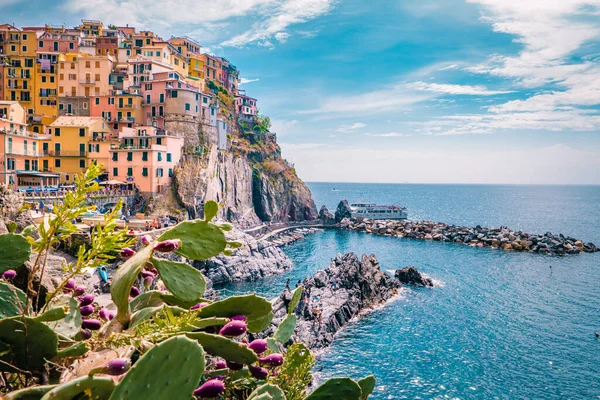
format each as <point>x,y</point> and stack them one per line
<point>195,60</point>
<point>68,151</point>
<point>91,28</point>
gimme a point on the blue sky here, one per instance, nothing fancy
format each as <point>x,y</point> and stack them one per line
<point>476,91</point>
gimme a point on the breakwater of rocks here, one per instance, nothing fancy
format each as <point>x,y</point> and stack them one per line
<point>500,238</point>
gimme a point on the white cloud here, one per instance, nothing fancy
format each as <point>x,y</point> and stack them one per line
<point>281,37</point>
<point>389,134</point>
<point>284,127</point>
<point>455,89</point>
<point>451,66</point>
<point>350,128</point>
<point>281,16</point>
<point>244,80</point>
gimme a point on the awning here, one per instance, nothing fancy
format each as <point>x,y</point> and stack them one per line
<point>113,182</point>
<point>37,174</point>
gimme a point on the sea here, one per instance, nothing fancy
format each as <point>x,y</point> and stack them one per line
<point>497,325</point>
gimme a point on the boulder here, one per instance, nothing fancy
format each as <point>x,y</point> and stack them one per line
<point>325,216</point>
<point>411,276</point>
<point>343,211</point>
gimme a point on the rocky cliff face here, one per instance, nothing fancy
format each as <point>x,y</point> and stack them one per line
<point>334,296</point>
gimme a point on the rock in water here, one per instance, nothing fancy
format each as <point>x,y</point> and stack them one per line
<point>325,216</point>
<point>411,276</point>
<point>334,296</point>
<point>343,211</point>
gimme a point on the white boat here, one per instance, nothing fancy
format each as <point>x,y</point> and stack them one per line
<point>373,211</point>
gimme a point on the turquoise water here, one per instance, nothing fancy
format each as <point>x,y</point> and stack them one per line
<point>498,325</point>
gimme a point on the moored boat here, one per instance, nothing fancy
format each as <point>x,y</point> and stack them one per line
<point>374,211</point>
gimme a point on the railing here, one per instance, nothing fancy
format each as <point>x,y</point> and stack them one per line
<point>150,115</point>
<point>24,153</point>
<point>127,119</point>
<point>127,106</point>
<point>62,153</point>
<point>88,82</point>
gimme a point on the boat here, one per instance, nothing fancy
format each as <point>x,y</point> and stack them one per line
<point>373,211</point>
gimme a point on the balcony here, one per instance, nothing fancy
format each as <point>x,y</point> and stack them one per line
<point>62,153</point>
<point>127,119</point>
<point>126,106</point>
<point>87,82</point>
<point>22,153</point>
<point>150,115</point>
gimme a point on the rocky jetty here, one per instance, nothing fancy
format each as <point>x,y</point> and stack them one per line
<point>332,297</point>
<point>325,216</point>
<point>500,238</point>
<point>254,260</point>
<point>343,211</point>
<point>411,276</point>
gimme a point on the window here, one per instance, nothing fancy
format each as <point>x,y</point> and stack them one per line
<point>159,172</point>
<point>82,132</point>
<point>57,163</point>
<point>97,64</point>
<point>81,163</point>
<point>174,94</point>
<point>26,165</point>
<point>145,156</point>
<point>170,172</point>
<point>56,131</point>
<point>144,171</point>
<point>129,171</point>
<point>41,43</point>
<point>45,165</point>
<point>169,157</point>
<point>159,156</point>
<point>43,79</point>
<point>71,46</point>
<point>97,101</point>
<point>88,64</point>
<point>24,49</point>
<point>129,156</point>
<point>205,100</point>
<point>162,97</point>
<point>158,140</point>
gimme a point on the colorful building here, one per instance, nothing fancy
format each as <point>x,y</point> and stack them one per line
<point>245,107</point>
<point>145,156</point>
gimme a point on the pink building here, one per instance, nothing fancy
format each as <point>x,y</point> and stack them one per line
<point>245,106</point>
<point>145,157</point>
<point>67,41</point>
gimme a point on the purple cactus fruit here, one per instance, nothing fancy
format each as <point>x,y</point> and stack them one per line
<point>9,274</point>
<point>86,300</point>
<point>148,282</point>
<point>258,372</point>
<point>117,366</point>
<point>272,360</point>
<point>233,329</point>
<point>79,291</point>
<point>210,389</point>
<point>92,324</point>
<point>220,364</point>
<point>199,306</point>
<point>234,366</point>
<point>167,246</point>
<point>146,239</point>
<point>86,334</point>
<point>148,274</point>
<point>258,346</point>
<point>103,314</point>
<point>134,292</point>
<point>69,286</point>
<point>239,318</point>
<point>127,252</point>
<point>86,310</point>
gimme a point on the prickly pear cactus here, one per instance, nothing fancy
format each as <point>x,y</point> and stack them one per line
<point>295,299</point>
<point>225,348</point>
<point>30,343</point>
<point>142,315</point>
<point>75,350</point>
<point>337,388</point>
<point>183,280</point>
<point>70,325</point>
<point>93,387</point>
<point>285,329</point>
<point>199,239</point>
<point>267,392</point>
<point>12,300</point>
<point>211,208</point>
<point>31,393</point>
<point>14,251</point>
<point>367,385</point>
<point>170,370</point>
<point>255,308</point>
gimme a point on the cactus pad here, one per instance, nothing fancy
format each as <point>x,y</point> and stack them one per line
<point>124,278</point>
<point>205,323</point>
<point>30,393</point>
<point>199,239</point>
<point>272,392</point>
<point>183,280</point>
<point>224,348</point>
<point>95,387</point>
<point>170,370</point>
<point>14,251</point>
<point>286,329</point>
<point>145,313</point>
<point>75,350</point>
<point>211,208</point>
<point>295,299</point>
<point>70,325</point>
<point>336,388</point>
<point>12,300</point>
<point>152,298</point>
<point>367,385</point>
<point>257,310</point>
<point>30,343</point>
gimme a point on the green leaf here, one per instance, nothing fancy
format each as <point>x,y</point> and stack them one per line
<point>273,391</point>
<point>53,314</point>
<point>12,227</point>
<point>211,208</point>
<point>170,370</point>
<point>367,385</point>
<point>257,310</point>
<point>199,239</point>
<point>140,316</point>
<point>286,329</point>
<point>76,350</point>
<point>14,251</point>
<point>70,325</point>
<point>31,343</point>
<point>336,388</point>
<point>183,280</point>
<point>226,227</point>
<point>30,393</point>
<point>174,301</point>
<point>124,279</point>
<point>295,299</point>
<point>224,347</point>
<point>12,300</point>
<point>273,346</point>
<point>29,230</point>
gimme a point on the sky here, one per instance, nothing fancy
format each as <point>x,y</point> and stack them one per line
<point>417,91</point>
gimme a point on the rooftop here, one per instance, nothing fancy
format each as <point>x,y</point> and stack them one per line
<point>76,121</point>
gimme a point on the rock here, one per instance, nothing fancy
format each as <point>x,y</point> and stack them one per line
<point>326,217</point>
<point>411,276</point>
<point>332,297</point>
<point>343,211</point>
